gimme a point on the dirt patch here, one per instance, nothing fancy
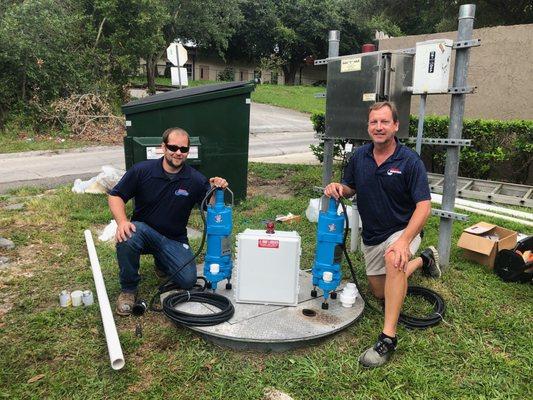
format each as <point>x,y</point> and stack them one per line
<point>273,188</point>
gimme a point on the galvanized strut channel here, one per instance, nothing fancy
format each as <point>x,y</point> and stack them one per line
<point>491,191</point>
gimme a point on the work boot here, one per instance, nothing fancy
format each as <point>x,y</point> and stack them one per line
<point>380,353</point>
<point>430,262</point>
<point>125,303</point>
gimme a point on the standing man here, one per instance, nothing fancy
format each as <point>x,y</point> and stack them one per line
<point>165,191</point>
<point>394,202</point>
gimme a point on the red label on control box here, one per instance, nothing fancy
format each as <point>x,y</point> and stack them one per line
<point>268,243</point>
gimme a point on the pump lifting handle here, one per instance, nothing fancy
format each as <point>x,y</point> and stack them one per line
<point>220,192</point>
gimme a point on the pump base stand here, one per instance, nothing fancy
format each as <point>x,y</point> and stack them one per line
<point>275,328</point>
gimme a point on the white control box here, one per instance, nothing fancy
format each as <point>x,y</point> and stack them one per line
<point>432,66</point>
<point>267,267</point>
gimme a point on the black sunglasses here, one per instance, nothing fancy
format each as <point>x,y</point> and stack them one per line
<point>174,147</point>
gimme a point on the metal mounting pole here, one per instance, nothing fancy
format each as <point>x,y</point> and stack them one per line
<point>421,116</point>
<point>333,51</point>
<point>457,108</point>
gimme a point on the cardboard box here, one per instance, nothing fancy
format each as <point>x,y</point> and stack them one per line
<point>482,241</point>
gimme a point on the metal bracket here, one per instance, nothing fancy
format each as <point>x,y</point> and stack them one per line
<point>411,50</point>
<point>466,43</point>
<point>322,61</point>
<point>449,214</point>
<point>462,90</point>
<point>444,142</point>
<point>320,95</point>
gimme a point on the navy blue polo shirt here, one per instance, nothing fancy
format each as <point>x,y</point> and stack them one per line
<point>162,203</point>
<point>386,195</point>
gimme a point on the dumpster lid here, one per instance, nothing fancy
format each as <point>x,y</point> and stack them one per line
<point>180,93</point>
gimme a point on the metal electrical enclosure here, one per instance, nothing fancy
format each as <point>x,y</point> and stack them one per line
<point>432,66</point>
<point>357,81</point>
<point>217,117</point>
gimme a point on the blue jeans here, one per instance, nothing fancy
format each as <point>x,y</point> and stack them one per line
<point>169,256</point>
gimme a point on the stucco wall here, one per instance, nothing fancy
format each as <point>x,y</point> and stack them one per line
<point>501,68</point>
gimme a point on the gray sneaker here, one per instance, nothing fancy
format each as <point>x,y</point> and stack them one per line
<point>379,354</point>
<point>430,262</point>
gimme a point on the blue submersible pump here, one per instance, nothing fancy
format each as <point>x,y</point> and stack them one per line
<point>328,253</point>
<point>219,223</point>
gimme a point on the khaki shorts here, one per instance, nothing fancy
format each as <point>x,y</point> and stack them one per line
<point>375,255</point>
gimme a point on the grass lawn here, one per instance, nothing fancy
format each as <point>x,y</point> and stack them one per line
<point>299,98</point>
<point>481,350</point>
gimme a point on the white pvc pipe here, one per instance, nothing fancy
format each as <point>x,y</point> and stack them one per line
<point>110,329</point>
<point>438,199</point>
<point>354,235</point>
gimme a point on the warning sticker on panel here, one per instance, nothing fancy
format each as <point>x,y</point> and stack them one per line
<point>153,152</point>
<point>351,64</point>
<point>193,152</point>
<point>268,243</point>
<point>369,97</point>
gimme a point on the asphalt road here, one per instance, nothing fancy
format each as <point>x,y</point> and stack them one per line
<point>276,135</point>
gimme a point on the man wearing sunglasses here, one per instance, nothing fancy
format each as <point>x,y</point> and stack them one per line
<point>394,202</point>
<point>165,191</point>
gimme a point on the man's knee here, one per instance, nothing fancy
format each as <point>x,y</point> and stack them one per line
<point>136,241</point>
<point>391,270</point>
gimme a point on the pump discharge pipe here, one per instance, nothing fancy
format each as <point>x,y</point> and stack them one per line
<point>110,330</point>
<point>328,254</point>
<point>218,264</point>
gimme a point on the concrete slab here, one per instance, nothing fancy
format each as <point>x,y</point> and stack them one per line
<point>277,328</point>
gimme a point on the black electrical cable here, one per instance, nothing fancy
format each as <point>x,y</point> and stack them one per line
<point>182,318</point>
<point>196,296</point>
<point>439,306</point>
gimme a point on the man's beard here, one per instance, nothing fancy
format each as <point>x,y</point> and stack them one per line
<point>176,163</point>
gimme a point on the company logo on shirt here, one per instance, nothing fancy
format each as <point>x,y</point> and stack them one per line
<point>181,192</point>
<point>393,171</point>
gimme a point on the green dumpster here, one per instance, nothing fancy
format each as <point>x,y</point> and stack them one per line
<point>217,118</point>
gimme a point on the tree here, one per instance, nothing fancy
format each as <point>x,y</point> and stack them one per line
<point>45,52</point>
<point>429,16</point>
<point>136,29</point>
<point>284,31</point>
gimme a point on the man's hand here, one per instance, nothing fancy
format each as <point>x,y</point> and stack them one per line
<point>402,253</point>
<point>334,190</point>
<point>124,231</point>
<point>218,182</point>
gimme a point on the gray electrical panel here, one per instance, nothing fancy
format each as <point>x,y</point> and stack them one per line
<point>357,81</point>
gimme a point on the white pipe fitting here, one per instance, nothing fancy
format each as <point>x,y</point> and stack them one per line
<point>348,295</point>
<point>76,298</point>
<point>110,329</point>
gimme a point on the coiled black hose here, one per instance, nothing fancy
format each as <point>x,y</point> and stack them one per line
<point>409,321</point>
<point>182,318</point>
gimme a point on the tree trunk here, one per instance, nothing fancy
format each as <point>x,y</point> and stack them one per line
<point>289,72</point>
<point>151,65</point>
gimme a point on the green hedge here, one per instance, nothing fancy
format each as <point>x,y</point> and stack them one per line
<point>501,150</point>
